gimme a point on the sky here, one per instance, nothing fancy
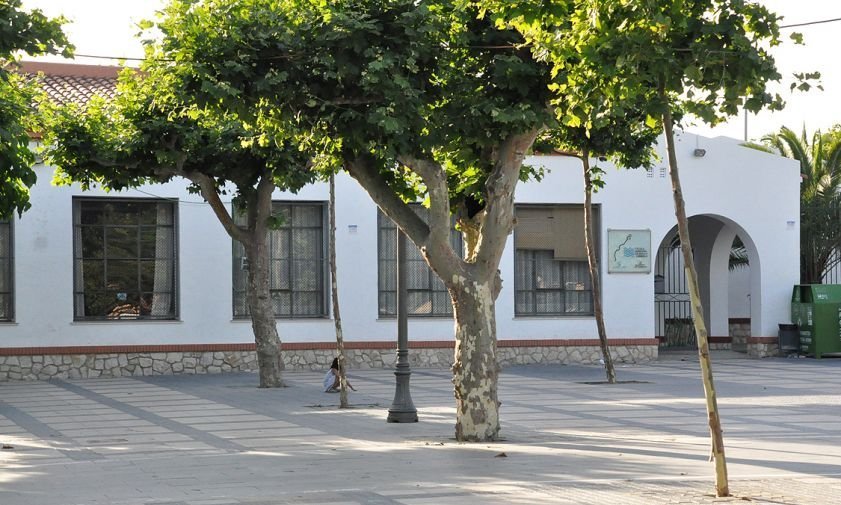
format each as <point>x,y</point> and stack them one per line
<point>107,28</point>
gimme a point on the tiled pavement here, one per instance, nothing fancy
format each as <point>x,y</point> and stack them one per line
<point>218,440</point>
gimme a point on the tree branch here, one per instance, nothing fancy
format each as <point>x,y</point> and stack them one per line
<point>499,198</point>
<point>437,249</point>
<point>265,188</point>
<point>439,196</point>
<point>393,207</point>
<point>208,191</point>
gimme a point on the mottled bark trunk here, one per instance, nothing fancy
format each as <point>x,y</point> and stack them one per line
<point>334,288</point>
<point>473,282</point>
<point>721,482</point>
<point>476,370</point>
<point>589,241</point>
<point>254,239</point>
<point>262,313</point>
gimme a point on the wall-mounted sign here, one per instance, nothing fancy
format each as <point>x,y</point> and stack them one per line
<point>629,251</point>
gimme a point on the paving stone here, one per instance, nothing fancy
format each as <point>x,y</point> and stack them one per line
<point>219,440</point>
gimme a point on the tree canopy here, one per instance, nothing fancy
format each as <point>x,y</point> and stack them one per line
<point>29,32</point>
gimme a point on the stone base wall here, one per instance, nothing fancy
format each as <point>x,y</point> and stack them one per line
<point>760,347</point>
<point>123,364</point>
<point>82,366</point>
<point>739,332</point>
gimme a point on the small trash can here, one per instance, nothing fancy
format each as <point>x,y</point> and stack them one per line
<point>789,338</point>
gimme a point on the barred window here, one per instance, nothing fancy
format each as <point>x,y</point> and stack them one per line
<point>551,276</point>
<point>124,259</point>
<point>298,263</point>
<point>427,295</point>
<point>6,272</point>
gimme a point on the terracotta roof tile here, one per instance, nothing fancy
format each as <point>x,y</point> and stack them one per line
<point>65,83</point>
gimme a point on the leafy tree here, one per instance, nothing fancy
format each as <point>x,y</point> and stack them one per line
<point>707,58</point>
<point>416,100</point>
<point>627,140</point>
<point>29,32</point>
<point>820,202</point>
<point>154,131</point>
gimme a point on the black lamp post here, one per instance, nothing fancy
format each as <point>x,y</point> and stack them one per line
<point>402,409</point>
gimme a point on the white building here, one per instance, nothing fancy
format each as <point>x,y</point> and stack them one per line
<point>145,281</point>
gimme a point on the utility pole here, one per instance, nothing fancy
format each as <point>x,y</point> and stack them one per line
<point>746,125</point>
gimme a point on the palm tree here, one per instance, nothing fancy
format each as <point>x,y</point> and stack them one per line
<point>820,200</point>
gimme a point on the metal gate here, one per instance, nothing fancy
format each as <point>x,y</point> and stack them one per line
<point>672,309</point>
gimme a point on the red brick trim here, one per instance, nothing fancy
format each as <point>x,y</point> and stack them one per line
<point>575,342</point>
<point>117,349</point>
<point>302,346</point>
<point>721,340</point>
<point>762,340</point>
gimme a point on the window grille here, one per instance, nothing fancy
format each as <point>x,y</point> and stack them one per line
<point>551,275</point>
<point>6,272</point>
<point>426,293</point>
<point>298,263</point>
<point>124,259</point>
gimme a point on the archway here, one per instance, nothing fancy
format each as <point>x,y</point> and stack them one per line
<point>713,239</point>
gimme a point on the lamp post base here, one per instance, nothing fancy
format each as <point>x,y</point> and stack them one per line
<point>407,416</point>
<point>402,409</point>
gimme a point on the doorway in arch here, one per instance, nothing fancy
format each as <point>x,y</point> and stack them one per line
<point>724,255</point>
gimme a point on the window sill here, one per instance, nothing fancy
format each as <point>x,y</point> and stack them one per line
<point>393,319</point>
<point>553,317</point>
<point>126,321</point>
<point>314,319</point>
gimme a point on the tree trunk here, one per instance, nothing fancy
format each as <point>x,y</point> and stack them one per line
<point>473,282</point>
<point>476,370</point>
<point>334,287</point>
<point>721,484</point>
<point>594,269</point>
<point>254,238</point>
<point>262,313</point>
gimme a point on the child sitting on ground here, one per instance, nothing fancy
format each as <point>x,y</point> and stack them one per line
<point>332,382</point>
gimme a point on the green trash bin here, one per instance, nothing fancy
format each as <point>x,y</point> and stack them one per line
<point>816,310</point>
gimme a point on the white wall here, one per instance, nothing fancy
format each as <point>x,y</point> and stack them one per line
<point>757,191</point>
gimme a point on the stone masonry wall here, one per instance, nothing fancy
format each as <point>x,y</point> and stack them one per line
<point>78,366</point>
<point>739,332</point>
<point>762,349</point>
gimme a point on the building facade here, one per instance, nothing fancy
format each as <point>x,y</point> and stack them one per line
<point>146,281</point>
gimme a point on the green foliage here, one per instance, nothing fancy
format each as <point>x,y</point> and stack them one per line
<point>820,202</point>
<point>379,79</point>
<point>31,33</point>
<point>154,130</point>
<point>710,58</point>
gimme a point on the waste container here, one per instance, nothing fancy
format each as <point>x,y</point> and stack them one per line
<point>789,336</point>
<point>816,310</point>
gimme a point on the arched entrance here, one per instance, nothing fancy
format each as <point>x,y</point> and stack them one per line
<point>727,263</point>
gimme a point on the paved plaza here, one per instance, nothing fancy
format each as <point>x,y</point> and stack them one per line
<point>568,439</point>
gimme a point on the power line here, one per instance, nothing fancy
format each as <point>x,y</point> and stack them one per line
<point>172,199</point>
<point>128,58</point>
<point>809,23</point>
<point>101,57</point>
